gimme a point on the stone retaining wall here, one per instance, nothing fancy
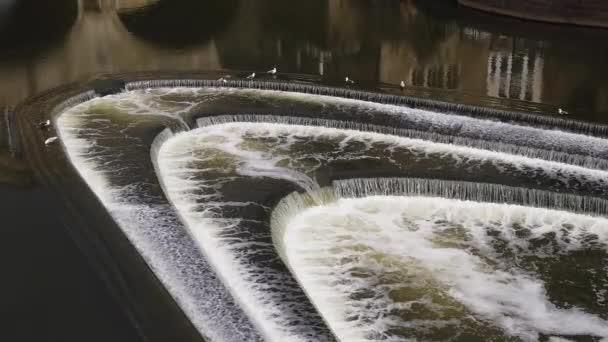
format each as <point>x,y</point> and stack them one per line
<point>579,12</point>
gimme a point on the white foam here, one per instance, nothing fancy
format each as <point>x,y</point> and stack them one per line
<point>500,131</point>
<point>258,291</point>
<point>228,137</point>
<point>236,149</point>
<point>152,102</point>
<point>380,235</point>
<point>156,233</point>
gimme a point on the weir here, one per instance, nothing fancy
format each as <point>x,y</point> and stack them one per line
<point>560,146</point>
<point>469,191</point>
<point>118,160</point>
<point>203,217</point>
<point>369,113</point>
<point>231,227</point>
<point>408,101</point>
<point>530,152</point>
<point>441,259</point>
<point>12,139</point>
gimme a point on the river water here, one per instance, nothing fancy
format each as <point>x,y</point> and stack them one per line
<point>439,50</point>
<point>317,223</point>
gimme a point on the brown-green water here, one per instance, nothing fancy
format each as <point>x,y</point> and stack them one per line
<point>438,49</point>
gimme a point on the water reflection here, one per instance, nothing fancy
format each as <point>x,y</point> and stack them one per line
<point>374,42</point>
<point>193,22</point>
<point>20,36</point>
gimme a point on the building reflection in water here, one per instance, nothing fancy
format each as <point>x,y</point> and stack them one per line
<point>371,41</point>
<point>515,75</point>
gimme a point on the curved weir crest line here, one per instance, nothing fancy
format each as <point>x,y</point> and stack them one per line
<point>464,127</point>
<point>565,157</point>
<point>555,142</point>
<point>317,243</point>
<point>467,110</point>
<point>549,155</point>
<point>169,254</point>
<point>470,191</point>
<point>206,229</point>
<point>74,101</point>
<point>417,144</point>
<point>142,103</point>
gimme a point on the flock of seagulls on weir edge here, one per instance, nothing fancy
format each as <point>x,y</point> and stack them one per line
<point>47,124</point>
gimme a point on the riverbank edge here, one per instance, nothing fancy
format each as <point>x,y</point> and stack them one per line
<point>549,18</point>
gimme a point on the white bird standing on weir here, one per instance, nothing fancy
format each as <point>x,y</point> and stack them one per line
<point>272,71</point>
<point>252,76</point>
<point>348,80</point>
<point>402,85</point>
<point>221,79</point>
<point>561,112</point>
<point>50,141</point>
<point>44,124</point>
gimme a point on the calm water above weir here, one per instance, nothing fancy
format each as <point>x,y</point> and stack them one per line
<point>440,51</point>
<point>431,45</point>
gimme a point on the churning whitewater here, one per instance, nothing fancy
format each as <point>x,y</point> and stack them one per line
<point>111,151</point>
<point>395,268</point>
<point>246,218</point>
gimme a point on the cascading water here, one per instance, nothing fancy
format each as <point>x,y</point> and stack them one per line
<point>111,150</point>
<point>352,258</point>
<point>338,94</point>
<point>549,155</point>
<point>478,192</point>
<point>395,268</point>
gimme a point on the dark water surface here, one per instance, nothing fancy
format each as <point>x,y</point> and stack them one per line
<point>48,290</point>
<point>428,44</point>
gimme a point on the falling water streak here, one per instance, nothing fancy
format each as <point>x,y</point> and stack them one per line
<point>441,106</point>
<point>588,151</point>
<point>201,313</point>
<point>74,101</point>
<point>271,297</point>
<point>159,237</point>
<point>294,210</point>
<point>411,118</point>
<point>288,207</point>
<point>549,155</point>
<point>535,199</point>
<point>469,191</point>
<point>144,108</point>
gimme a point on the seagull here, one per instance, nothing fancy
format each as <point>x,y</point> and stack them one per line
<point>50,141</point>
<point>561,112</point>
<point>252,76</point>
<point>348,80</point>
<point>272,71</point>
<point>222,79</point>
<point>44,124</point>
<point>402,85</point>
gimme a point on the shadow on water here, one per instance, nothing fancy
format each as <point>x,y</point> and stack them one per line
<point>190,22</point>
<point>30,27</point>
<point>49,291</point>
